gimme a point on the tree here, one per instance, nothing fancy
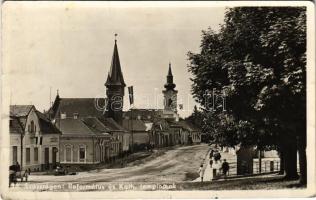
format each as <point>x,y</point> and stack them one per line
<point>259,58</point>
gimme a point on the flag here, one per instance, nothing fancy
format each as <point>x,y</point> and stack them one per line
<point>131,95</point>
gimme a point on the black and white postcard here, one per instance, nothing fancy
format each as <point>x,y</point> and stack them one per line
<point>103,100</point>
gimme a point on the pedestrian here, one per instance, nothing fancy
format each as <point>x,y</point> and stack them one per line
<point>211,162</point>
<point>218,167</point>
<point>211,154</point>
<point>17,167</point>
<point>217,156</point>
<point>225,167</point>
<point>201,172</point>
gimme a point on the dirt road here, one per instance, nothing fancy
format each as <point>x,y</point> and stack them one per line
<point>179,164</point>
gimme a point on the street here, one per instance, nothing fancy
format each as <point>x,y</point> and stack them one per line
<point>174,165</point>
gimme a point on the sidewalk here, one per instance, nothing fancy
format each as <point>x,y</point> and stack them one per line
<point>208,170</point>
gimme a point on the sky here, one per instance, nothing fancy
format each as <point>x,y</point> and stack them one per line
<point>68,46</point>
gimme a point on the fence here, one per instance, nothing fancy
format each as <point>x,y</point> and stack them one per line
<point>267,166</point>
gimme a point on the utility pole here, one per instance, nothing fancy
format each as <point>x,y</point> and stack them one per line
<point>50,96</point>
<point>260,160</point>
<point>22,136</point>
<point>132,149</point>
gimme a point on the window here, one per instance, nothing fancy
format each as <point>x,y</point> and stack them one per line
<point>76,115</point>
<point>28,155</point>
<point>68,154</point>
<point>32,127</point>
<point>63,115</point>
<point>82,153</point>
<point>14,154</point>
<point>35,154</point>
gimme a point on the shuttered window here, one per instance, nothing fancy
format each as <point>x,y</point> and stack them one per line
<point>28,155</point>
<point>36,154</point>
<point>14,154</point>
<point>82,153</point>
<point>68,154</point>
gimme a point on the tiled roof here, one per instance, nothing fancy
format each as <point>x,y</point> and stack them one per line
<point>174,124</point>
<point>111,124</point>
<point>20,110</point>
<point>72,126</point>
<point>46,125</point>
<point>85,107</point>
<point>187,125</point>
<point>23,121</point>
<point>161,124</point>
<point>15,126</point>
<point>135,125</point>
<point>90,126</point>
<point>144,113</point>
<point>95,125</point>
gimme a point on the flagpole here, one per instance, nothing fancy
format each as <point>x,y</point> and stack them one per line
<point>132,149</point>
<point>131,99</point>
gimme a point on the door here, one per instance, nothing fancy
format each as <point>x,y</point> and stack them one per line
<point>46,158</point>
<point>106,153</point>
<point>15,155</point>
<point>54,159</point>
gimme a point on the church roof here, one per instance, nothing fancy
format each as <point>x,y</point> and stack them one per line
<point>169,71</point>
<point>144,114</point>
<point>115,76</point>
<point>84,107</point>
<point>70,126</point>
<point>170,85</point>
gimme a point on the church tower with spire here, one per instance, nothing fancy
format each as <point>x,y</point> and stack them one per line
<point>115,86</point>
<point>170,94</point>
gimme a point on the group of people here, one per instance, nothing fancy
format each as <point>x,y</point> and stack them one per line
<point>217,163</point>
<point>219,167</point>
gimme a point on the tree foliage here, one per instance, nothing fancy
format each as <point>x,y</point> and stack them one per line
<point>259,58</point>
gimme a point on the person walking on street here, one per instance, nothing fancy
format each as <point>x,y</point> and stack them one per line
<point>225,167</point>
<point>211,162</point>
<point>217,156</point>
<point>17,167</point>
<point>201,172</point>
<point>211,154</point>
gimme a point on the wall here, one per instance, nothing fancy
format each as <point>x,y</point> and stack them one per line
<point>31,140</point>
<point>75,143</point>
<point>50,141</point>
<point>141,137</point>
<point>15,140</point>
<point>126,141</point>
<point>184,136</point>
